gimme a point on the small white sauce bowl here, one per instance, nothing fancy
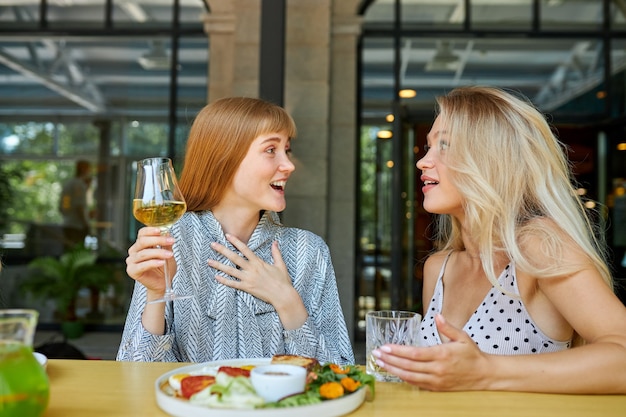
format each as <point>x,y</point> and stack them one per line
<point>42,359</point>
<point>274,382</point>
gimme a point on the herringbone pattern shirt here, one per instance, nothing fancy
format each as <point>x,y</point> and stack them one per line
<point>220,322</point>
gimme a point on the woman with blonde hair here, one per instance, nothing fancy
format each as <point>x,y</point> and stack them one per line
<point>518,295</point>
<point>259,288</point>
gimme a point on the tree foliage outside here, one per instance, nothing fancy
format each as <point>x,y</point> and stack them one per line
<point>31,138</point>
<point>375,182</point>
<point>146,139</point>
<point>8,176</point>
<point>34,192</point>
<point>38,158</point>
<point>368,179</point>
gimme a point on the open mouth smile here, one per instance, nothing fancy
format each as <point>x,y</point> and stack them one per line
<point>278,185</point>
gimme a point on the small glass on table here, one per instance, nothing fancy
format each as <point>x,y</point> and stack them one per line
<point>24,385</point>
<point>159,203</point>
<point>388,326</point>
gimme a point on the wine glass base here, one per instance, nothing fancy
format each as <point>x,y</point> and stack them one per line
<point>170,297</point>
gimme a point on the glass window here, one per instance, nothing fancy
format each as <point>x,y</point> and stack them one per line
<point>374,221</point>
<point>77,139</point>
<point>550,72</point>
<point>574,90</point>
<point>419,14</point>
<point>145,139</point>
<point>64,14</point>
<point>91,14</point>
<point>80,76</point>
<point>380,14</point>
<point>618,13</point>
<point>618,55</point>
<point>577,15</point>
<point>377,77</point>
<point>193,73</point>
<point>513,14</point>
<point>106,99</point>
<point>191,11</point>
<point>28,138</point>
<point>19,15</point>
<point>49,139</point>
<point>155,14</point>
<point>35,189</point>
<point>448,14</point>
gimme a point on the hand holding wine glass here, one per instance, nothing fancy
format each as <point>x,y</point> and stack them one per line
<point>159,203</point>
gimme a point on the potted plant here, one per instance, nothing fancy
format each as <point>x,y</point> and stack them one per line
<point>61,279</point>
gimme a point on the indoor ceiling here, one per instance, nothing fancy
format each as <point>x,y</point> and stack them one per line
<point>79,67</point>
<point>73,69</point>
<point>556,60</point>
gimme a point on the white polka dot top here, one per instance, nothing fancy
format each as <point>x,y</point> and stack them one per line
<point>501,325</point>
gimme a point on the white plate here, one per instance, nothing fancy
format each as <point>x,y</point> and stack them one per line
<point>181,408</point>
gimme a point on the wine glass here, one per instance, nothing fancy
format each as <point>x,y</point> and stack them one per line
<point>159,203</point>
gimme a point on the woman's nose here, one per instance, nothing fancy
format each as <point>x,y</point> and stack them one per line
<point>423,163</point>
<point>287,165</point>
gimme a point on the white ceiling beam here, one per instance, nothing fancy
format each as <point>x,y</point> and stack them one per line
<point>621,6</point>
<point>405,57</point>
<point>569,78</point>
<point>458,75</point>
<point>72,93</point>
<point>439,82</point>
<point>135,11</point>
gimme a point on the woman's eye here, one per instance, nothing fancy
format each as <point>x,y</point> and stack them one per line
<point>443,145</point>
<point>427,148</point>
<point>271,150</point>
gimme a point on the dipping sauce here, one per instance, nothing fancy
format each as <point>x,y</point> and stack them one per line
<point>274,382</point>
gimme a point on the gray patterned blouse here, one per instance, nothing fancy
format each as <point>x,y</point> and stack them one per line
<point>220,322</point>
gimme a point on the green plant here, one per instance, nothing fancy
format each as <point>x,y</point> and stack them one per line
<point>7,195</point>
<point>62,278</point>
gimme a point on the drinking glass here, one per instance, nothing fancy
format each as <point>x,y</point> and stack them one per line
<point>388,326</point>
<point>159,203</point>
<point>24,385</point>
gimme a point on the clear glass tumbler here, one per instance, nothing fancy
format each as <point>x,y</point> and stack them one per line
<point>388,326</point>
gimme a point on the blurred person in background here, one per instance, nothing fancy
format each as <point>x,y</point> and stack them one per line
<point>73,206</point>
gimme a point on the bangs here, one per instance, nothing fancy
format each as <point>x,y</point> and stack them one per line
<point>275,119</point>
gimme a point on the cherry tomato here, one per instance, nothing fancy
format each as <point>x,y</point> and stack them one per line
<point>195,383</point>
<point>234,371</point>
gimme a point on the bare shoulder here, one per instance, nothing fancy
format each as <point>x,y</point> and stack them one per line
<point>432,267</point>
<point>433,263</point>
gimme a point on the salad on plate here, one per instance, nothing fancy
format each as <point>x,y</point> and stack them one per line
<point>230,387</point>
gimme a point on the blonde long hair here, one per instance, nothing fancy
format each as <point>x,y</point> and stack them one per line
<point>218,141</point>
<point>511,169</point>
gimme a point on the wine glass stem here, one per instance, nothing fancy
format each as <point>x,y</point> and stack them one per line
<point>166,270</point>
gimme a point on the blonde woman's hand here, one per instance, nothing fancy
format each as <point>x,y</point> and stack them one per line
<point>146,260</point>
<point>269,282</point>
<point>457,365</point>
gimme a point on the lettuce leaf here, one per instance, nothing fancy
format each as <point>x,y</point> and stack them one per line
<point>228,392</point>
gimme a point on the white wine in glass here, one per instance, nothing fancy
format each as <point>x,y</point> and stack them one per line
<point>159,203</point>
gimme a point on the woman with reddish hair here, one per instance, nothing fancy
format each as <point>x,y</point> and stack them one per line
<point>259,288</point>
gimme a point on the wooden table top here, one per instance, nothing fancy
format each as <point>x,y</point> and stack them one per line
<point>93,388</point>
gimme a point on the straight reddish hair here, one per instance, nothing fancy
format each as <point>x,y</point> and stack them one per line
<point>218,141</point>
